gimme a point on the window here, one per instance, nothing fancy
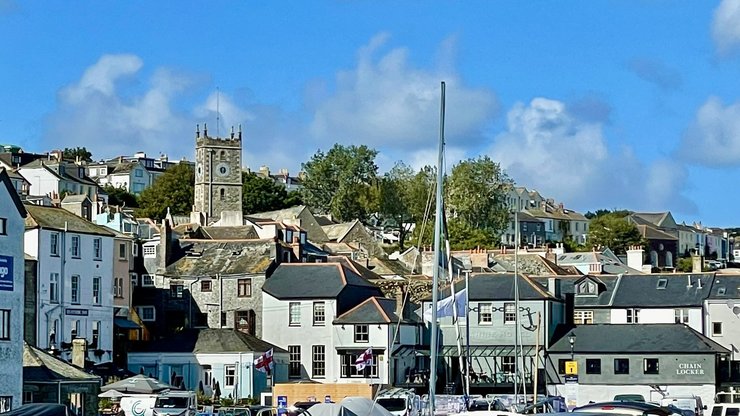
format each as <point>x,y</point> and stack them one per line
<point>95,333</point>
<point>222,194</point>
<point>349,370</point>
<point>27,397</point>
<point>207,375</point>
<point>176,291</point>
<point>583,317</point>
<point>4,324</point>
<point>717,329</point>
<point>75,329</point>
<point>76,246</point>
<point>294,310</point>
<point>229,375</point>
<point>75,289</point>
<point>150,251</point>
<point>97,248</point>
<point>507,364</point>
<point>294,363</point>
<point>96,290</point>
<point>134,249</point>
<point>633,316</point>
<point>318,365</point>
<point>223,319</point>
<point>3,226</point>
<point>146,313</point>
<point>147,280</point>
<point>138,173</point>
<point>362,333</point>
<point>54,288</point>
<point>6,403</point>
<point>205,286</point>
<point>122,251</point>
<point>54,244</point>
<point>509,313</point>
<point>650,366</point>
<point>134,280</point>
<point>485,314</point>
<point>118,287</point>
<point>561,365</point>
<point>662,284</point>
<point>244,288</point>
<point>593,366</point>
<point>681,316</point>
<point>621,366</point>
<point>319,317</point>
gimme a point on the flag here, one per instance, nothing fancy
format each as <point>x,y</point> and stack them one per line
<point>444,306</point>
<point>264,363</point>
<point>365,359</point>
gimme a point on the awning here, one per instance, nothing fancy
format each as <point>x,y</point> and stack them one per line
<point>124,323</point>
<point>475,351</point>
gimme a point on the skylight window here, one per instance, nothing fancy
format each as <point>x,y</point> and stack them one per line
<point>662,283</point>
<point>721,290</point>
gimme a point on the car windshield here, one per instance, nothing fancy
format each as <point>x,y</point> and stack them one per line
<point>392,404</point>
<point>171,402</point>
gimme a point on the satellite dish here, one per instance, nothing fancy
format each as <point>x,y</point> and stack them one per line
<point>736,310</point>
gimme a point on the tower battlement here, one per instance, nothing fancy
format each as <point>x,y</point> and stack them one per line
<point>203,139</point>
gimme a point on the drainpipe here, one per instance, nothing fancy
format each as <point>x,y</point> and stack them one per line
<point>62,280</point>
<point>190,303</point>
<point>220,299</point>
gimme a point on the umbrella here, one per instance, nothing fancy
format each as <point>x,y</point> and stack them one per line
<point>137,384</point>
<point>110,394</point>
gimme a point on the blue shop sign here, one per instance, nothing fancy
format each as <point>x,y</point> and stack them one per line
<point>6,273</point>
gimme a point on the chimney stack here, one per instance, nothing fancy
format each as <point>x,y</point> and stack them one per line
<point>79,351</point>
<point>635,257</point>
<point>296,246</point>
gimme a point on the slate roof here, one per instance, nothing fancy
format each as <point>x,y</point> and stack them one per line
<point>637,339</point>
<point>524,216</point>
<point>374,310</point>
<point>385,267</point>
<point>499,287</point>
<point>643,290</point>
<point>313,281</point>
<point>336,232</point>
<point>652,233</point>
<point>323,220</point>
<point>609,265</point>
<point>243,232</point>
<point>68,172</point>
<point>74,199</point>
<point>60,219</point>
<point>5,179</point>
<point>209,341</point>
<point>354,266</point>
<point>39,365</point>
<point>725,286</point>
<point>655,218</point>
<point>281,214</point>
<point>210,257</point>
<point>529,263</point>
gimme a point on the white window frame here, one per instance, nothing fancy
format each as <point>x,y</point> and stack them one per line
<point>318,361</point>
<point>150,251</point>
<point>230,373</point>
<point>74,246</point>
<point>5,324</point>
<point>319,313</point>
<point>3,226</point>
<point>145,283</point>
<point>74,292</point>
<point>134,278</point>
<point>96,290</point>
<point>134,249</point>
<point>122,251</point>
<point>633,316</point>
<point>509,314</point>
<point>485,314</point>
<point>140,310</point>
<point>583,317</point>
<point>294,314</point>
<point>362,333</point>
<point>97,248</point>
<point>54,244</point>
<point>681,315</point>
<point>54,287</point>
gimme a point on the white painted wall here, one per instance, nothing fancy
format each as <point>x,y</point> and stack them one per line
<point>659,316</point>
<point>38,245</point>
<point>602,393</point>
<point>729,314</point>
<point>11,250</point>
<point>42,181</point>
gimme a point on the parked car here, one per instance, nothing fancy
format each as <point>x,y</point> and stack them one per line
<point>629,398</point>
<point>626,408</point>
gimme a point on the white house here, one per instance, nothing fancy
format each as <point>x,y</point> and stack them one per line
<point>200,358</point>
<point>12,262</point>
<point>132,176</point>
<point>300,301</point>
<point>52,177</point>
<point>75,277</point>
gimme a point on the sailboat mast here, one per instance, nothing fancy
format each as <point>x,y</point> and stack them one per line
<point>516,308</point>
<point>437,252</point>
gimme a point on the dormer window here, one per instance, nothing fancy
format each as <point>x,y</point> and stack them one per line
<point>587,287</point>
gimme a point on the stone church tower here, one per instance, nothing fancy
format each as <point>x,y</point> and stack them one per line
<point>218,176</point>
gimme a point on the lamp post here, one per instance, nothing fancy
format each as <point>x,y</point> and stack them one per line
<point>572,340</point>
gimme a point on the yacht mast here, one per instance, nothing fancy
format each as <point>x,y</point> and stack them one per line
<point>437,252</point>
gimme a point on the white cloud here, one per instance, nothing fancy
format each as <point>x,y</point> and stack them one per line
<point>546,148</point>
<point>726,26</point>
<point>384,101</point>
<point>713,138</point>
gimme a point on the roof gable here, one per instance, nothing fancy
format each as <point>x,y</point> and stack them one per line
<point>374,310</point>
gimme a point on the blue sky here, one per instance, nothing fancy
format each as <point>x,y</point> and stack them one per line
<point>599,104</point>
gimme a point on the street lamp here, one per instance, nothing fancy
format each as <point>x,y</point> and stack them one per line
<point>572,340</point>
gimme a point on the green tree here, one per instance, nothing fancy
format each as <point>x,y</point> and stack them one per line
<point>614,231</point>
<point>339,182</point>
<point>476,194</point>
<point>173,190</point>
<point>260,194</point>
<point>119,196</point>
<point>394,201</point>
<point>70,153</point>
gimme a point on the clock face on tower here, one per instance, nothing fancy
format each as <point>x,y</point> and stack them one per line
<point>199,171</point>
<point>222,169</point>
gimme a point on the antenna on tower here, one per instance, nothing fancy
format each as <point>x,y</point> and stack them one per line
<point>218,113</point>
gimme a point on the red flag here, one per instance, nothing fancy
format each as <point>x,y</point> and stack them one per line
<point>264,363</point>
<point>365,359</point>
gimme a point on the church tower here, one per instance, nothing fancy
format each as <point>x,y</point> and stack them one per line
<point>218,174</point>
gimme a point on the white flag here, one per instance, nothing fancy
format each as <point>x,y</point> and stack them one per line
<point>365,359</point>
<point>444,306</point>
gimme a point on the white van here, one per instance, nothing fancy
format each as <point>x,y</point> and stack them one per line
<point>175,402</point>
<point>726,409</point>
<point>692,403</point>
